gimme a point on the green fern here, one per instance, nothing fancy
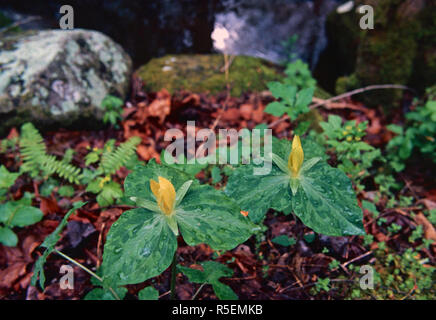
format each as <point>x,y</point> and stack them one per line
<point>36,159</point>
<point>64,170</point>
<point>32,149</point>
<point>112,160</point>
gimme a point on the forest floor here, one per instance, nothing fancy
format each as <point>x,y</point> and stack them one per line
<point>262,268</point>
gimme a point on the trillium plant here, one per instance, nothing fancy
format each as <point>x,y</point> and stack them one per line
<point>142,243</point>
<point>303,183</point>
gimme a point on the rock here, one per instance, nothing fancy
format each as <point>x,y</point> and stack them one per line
<point>57,78</point>
<point>145,29</point>
<point>204,73</point>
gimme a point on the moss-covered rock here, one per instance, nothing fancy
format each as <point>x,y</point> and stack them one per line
<point>205,73</point>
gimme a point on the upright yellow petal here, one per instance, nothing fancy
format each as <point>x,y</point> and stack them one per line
<point>165,194</point>
<point>154,186</point>
<point>168,194</point>
<point>296,157</point>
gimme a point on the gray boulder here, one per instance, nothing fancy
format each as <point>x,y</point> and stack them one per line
<point>58,78</point>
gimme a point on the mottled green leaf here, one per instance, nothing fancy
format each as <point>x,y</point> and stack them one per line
<point>257,193</point>
<point>137,183</point>
<point>139,246</point>
<point>148,293</point>
<point>8,237</point>
<point>326,202</point>
<point>206,215</point>
<point>216,175</point>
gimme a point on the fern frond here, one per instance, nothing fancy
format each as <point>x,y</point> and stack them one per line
<point>36,159</point>
<point>64,170</point>
<point>32,149</point>
<point>114,160</point>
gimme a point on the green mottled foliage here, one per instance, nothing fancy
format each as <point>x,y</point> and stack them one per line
<point>142,243</point>
<point>322,196</point>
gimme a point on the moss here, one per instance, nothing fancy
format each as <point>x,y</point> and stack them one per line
<point>388,53</point>
<point>202,73</point>
<point>347,83</point>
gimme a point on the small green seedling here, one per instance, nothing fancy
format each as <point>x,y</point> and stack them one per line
<point>14,213</point>
<point>211,274</point>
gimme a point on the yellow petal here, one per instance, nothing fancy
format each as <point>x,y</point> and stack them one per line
<point>165,194</point>
<point>154,186</point>
<point>296,157</point>
<point>168,195</point>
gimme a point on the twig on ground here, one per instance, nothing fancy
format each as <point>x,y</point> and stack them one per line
<point>321,102</point>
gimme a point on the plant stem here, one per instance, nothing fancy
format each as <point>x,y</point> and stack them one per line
<point>173,277</point>
<point>198,291</point>
<point>63,255</point>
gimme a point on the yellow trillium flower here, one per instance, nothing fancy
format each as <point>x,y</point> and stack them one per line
<point>296,157</point>
<point>165,194</point>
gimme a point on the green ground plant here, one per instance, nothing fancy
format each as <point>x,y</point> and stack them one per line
<point>210,275</point>
<point>354,156</point>
<point>99,180</point>
<point>418,135</point>
<point>113,109</point>
<point>109,159</point>
<point>19,213</point>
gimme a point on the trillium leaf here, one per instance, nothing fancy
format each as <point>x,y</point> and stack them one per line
<point>208,216</point>
<point>140,245</point>
<point>326,202</point>
<point>257,193</point>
